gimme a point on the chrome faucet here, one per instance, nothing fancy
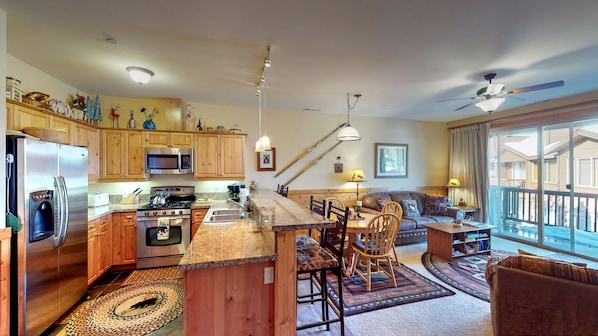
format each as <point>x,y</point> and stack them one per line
<point>236,203</point>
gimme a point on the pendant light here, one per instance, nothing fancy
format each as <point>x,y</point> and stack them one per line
<point>349,133</point>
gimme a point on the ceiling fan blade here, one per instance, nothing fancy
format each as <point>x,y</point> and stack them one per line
<point>536,87</point>
<point>464,106</point>
<point>445,100</point>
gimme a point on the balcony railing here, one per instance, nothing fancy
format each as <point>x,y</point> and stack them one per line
<point>519,209</point>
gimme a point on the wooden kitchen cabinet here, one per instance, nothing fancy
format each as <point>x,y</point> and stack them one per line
<point>124,248</point>
<point>63,124</point>
<point>197,216</point>
<point>156,139</point>
<point>99,247</point>
<point>219,156</point>
<point>19,117</point>
<point>122,155</point>
<point>89,137</point>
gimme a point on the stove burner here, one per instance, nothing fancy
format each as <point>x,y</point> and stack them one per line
<point>168,205</point>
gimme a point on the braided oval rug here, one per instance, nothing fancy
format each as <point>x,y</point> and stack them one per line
<point>136,309</point>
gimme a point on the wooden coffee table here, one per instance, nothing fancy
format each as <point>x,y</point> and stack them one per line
<point>448,241</point>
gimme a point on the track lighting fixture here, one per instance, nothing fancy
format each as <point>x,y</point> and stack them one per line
<point>263,143</point>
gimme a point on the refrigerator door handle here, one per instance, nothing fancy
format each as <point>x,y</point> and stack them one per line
<point>63,210</point>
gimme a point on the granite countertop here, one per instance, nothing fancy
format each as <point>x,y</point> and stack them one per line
<point>285,214</point>
<point>97,212</point>
<point>244,241</point>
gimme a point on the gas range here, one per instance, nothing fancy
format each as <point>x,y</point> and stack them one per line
<point>164,230</point>
<point>177,203</point>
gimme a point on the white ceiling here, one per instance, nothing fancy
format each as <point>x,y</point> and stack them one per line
<point>402,56</point>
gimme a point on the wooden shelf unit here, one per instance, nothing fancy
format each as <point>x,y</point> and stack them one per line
<point>448,241</point>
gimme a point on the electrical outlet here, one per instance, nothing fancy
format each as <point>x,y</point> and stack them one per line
<point>268,275</point>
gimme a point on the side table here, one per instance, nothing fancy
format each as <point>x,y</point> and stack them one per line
<point>470,211</point>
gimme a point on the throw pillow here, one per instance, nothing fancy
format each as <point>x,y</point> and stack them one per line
<point>522,252</point>
<point>381,201</point>
<point>410,208</point>
<point>436,206</point>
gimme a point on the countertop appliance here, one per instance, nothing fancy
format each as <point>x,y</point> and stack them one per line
<point>49,254</point>
<point>164,228</point>
<point>169,161</point>
<point>97,200</point>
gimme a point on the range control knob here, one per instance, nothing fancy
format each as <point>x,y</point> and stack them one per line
<point>164,212</point>
<point>155,213</point>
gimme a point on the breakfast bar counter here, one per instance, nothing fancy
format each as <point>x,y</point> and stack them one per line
<point>240,277</point>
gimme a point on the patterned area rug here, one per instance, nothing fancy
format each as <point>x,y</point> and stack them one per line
<point>464,273</point>
<point>411,287</point>
<point>137,309</point>
<point>136,276</point>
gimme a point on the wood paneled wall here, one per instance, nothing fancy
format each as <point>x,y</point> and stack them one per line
<point>349,197</point>
<point>5,235</point>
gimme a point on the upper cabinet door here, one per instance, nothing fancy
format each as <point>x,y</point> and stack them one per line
<point>206,156</point>
<point>219,156</point>
<point>154,139</point>
<point>232,154</point>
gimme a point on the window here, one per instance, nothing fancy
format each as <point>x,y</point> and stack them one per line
<point>587,172</point>
<point>550,171</point>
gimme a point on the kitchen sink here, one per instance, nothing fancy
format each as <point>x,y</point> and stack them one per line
<point>224,216</point>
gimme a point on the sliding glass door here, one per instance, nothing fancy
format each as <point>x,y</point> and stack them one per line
<point>544,185</point>
<point>571,188</point>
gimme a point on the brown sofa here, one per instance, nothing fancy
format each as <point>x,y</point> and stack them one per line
<point>430,209</point>
<point>531,295</point>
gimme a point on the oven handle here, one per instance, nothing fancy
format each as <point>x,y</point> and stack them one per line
<point>170,217</point>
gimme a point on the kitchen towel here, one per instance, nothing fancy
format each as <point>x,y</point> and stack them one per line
<point>163,228</point>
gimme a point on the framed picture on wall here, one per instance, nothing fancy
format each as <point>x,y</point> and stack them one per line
<point>391,160</point>
<point>266,160</point>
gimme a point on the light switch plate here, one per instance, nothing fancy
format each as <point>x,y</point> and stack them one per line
<point>268,275</point>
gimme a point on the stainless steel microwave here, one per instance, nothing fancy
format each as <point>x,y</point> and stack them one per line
<point>169,160</point>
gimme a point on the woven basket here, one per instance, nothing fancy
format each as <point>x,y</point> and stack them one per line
<point>47,134</point>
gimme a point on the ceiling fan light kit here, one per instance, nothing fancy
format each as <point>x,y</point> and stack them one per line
<point>349,133</point>
<point>490,97</point>
<point>490,105</point>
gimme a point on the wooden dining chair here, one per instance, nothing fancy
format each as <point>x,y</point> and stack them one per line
<point>282,190</point>
<point>397,209</point>
<point>322,259</point>
<point>377,246</point>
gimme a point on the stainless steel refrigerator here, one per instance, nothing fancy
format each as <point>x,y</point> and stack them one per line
<point>48,191</point>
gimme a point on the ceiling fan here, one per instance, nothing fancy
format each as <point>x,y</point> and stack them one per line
<point>490,97</point>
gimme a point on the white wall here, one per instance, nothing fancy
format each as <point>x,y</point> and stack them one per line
<point>33,79</point>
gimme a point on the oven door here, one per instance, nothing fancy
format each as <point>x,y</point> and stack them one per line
<point>158,241</point>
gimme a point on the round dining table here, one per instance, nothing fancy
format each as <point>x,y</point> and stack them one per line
<point>355,227</point>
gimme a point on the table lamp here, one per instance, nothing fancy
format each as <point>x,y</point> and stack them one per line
<point>453,183</point>
<point>357,176</point>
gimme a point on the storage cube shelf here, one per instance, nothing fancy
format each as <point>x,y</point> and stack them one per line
<point>471,242</point>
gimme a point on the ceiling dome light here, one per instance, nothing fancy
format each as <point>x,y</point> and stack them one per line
<point>140,75</point>
<point>490,105</point>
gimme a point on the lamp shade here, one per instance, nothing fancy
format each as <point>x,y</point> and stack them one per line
<point>490,105</point>
<point>140,75</point>
<point>453,183</point>
<point>348,133</point>
<point>357,176</point>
